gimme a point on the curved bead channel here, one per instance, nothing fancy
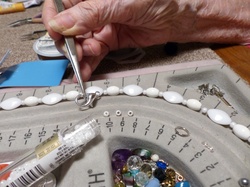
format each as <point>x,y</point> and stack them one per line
<point>141,167</point>
<point>216,115</point>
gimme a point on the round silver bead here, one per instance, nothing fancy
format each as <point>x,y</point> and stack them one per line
<point>244,182</point>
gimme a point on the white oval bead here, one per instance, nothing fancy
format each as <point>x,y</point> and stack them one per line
<point>52,99</point>
<point>219,116</point>
<point>194,104</point>
<point>11,103</point>
<point>152,92</point>
<point>113,90</point>
<point>31,101</point>
<point>241,131</point>
<point>71,95</point>
<point>172,97</point>
<point>94,89</point>
<point>132,90</point>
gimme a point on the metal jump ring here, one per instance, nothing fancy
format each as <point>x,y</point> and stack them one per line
<point>179,128</point>
<point>88,100</point>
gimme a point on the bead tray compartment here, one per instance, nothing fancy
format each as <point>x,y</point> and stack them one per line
<point>210,156</point>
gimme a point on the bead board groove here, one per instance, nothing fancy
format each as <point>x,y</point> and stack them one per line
<point>152,126</point>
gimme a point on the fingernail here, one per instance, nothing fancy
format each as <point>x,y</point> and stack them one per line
<point>62,22</point>
<point>53,24</point>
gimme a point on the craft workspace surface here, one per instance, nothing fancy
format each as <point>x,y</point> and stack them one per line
<point>22,51</point>
<point>194,144</point>
<point>191,110</point>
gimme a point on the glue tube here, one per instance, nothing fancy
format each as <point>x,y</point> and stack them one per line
<point>50,154</point>
<point>7,7</point>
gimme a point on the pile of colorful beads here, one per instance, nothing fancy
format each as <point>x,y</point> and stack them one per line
<point>140,168</point>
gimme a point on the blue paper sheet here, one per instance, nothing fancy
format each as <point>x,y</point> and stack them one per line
<point>34,73</point>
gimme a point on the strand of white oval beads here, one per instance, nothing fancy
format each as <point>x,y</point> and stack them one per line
<point>216,115</point>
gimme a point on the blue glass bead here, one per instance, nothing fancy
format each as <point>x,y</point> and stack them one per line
<point>160,174</point>
<point>134,172</point>
<point>161,164</point>
<point>182,184</point>
<point>153,183</point>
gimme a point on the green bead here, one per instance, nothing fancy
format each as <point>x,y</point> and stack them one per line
<point>128,174</point>
<point>135,185</point>
<point>143,153</point>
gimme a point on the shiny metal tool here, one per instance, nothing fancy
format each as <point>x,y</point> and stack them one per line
<point>71,49</point>
<point>25,21</point>
<point>33,35</point>
<point>6,55</point>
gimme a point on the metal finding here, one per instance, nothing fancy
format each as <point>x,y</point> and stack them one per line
<point>215,90</point>
<point>185,131</point>
<point>87,101</point>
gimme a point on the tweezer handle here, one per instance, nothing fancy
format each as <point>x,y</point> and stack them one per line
<point>36,20</point>
<point>70,45</point>
<point>59,5</point>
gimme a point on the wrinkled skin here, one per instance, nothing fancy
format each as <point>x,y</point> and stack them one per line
<point>103,26</point>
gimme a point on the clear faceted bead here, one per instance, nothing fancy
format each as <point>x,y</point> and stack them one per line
<point>134,162</point>
<point>141,178</point>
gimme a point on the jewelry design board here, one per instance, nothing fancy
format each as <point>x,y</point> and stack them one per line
<point>210,156</point>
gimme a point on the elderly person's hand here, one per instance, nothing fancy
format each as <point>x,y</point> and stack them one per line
<point>103,26</point>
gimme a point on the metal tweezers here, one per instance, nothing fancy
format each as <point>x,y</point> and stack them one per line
<point>71,49</point>
<point>25,21</point>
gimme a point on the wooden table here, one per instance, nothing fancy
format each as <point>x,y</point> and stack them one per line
<point>237,57</point>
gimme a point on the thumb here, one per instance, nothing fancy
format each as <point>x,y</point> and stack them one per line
<point>82,18</point>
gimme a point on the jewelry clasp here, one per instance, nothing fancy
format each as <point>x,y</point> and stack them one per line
<point>88,100</point>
